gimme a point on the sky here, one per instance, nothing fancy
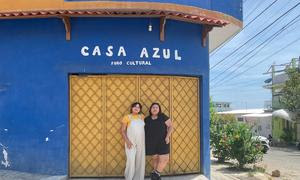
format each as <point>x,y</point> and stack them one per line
<point>228,81</point>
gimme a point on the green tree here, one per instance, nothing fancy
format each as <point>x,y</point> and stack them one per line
<point>290,98</point>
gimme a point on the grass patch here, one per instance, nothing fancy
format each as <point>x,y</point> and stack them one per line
<point>256,169</point>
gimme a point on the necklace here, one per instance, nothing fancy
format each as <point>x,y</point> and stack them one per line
<point>154,117</point>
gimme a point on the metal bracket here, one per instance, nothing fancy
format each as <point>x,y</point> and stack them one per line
<point>205,30</point>
<point>66,21</point>
<point>162,28</point>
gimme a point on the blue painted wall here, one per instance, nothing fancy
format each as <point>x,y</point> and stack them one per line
<point>230,7</point>
<point>35,60</point>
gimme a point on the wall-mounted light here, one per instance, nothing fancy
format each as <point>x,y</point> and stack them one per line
<point>150,26</point>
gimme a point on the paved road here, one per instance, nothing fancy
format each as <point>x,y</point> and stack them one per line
<point>286,160</point>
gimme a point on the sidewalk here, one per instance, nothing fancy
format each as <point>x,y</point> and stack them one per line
<point>14,175</point>
<point>218,172</point>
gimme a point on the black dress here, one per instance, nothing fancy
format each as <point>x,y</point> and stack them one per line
<point>155,134</point>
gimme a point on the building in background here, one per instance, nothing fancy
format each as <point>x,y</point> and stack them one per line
<point>222,106</point>
<point>261,123</point>
<point>69,71</point>
<point>238,114</point>
<point>268,106</point>
<point>260,120</point>
<point>282,119</point>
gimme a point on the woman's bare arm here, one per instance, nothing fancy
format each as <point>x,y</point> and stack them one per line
<point>124,135</point>
<point>169,130</point>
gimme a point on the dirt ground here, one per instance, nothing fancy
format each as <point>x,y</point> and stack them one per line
<point>225,171</point>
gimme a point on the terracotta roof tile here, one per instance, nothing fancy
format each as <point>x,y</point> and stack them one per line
<point>182,16</point>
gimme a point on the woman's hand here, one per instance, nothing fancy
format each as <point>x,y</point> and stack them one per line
<point>167,140</point>
<point>129,144</point>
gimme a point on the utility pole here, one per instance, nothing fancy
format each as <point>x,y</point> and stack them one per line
<point>298,113</point>
<point>272,87</point>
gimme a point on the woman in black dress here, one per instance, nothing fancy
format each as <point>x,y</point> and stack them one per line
<point>158,129</point>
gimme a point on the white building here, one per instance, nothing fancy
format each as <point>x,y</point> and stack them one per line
<point>261,123</point>
<point>258,119</point>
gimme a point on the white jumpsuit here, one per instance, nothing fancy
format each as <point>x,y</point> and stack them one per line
<point>135,164</point>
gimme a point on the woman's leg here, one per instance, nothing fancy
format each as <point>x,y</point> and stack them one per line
<point>162,162</point>
<point>140,162</point>
<point>155,161</point>
<point>130,163</point>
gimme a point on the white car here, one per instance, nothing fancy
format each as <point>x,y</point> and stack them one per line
<point>264,142</point>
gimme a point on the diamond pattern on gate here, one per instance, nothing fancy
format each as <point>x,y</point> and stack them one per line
<point>86,126</point>
<point>87,107</point>
<point>121,92</point>
<point>155,89</point>
<point>186,137</point>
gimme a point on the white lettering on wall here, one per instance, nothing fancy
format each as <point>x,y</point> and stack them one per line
<point>109,51</point>
<point>155,53</point>
<point>177,57</point>
<point>84,51</point>
<point>121,51</point>
<point>166,53</point>
<point>97,51</point>
<point>144,53</point>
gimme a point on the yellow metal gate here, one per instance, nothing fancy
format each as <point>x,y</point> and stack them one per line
<point>98,103</point>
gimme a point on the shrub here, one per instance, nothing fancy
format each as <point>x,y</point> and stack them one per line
<point>288,135</point>
<point>243,147</point>
<point>230,139</point>
<point>218,137</point>
<point>219,142</point>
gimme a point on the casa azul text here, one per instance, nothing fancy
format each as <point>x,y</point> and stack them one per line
<point>121,51</point>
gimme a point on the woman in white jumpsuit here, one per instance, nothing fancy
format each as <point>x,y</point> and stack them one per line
<point>134,135</point>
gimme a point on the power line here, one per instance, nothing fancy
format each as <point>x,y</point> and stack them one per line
<point>266,42</point>
<point>239,85</point>
<point>293,21</point>
<point>252,11</point>
<point>228,40</point>
<point>221,81</point>
<point>267,58</point>
<point>288,11</point>
<point>267,32</point>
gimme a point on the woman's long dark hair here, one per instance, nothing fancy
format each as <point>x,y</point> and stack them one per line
<point>159,113</point>
<point>134,104</point>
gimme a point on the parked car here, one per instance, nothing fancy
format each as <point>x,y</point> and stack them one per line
<point>264,142</point>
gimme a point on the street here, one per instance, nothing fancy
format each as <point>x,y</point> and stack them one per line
<point>286,160</point>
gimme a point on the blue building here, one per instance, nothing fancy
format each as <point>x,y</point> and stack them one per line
<point>69,71</point>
